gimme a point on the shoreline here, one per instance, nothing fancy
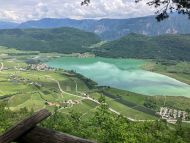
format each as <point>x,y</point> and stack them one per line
<point>153,67</point>
<point>155,72</point>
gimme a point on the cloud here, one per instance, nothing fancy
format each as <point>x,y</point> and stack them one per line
<point>22,10</point>
<point>8,15</point>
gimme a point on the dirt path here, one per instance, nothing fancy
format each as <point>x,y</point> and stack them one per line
<point>94,100</point>
<point>88,98</point>
<point>61,90</point>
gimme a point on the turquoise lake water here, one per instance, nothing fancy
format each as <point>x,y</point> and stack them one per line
<point>123,74</point>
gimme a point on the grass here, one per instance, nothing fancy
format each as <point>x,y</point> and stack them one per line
<point>123,109</point>
<point>30,96</point>
<point>34,101</point>
<point>127,95</point>
<point>5,50</point>
<point>19,99</point>
<point>129,112</point>
<point>7,88</point>
<point>82,108</point>
<point>174,69</point>
<point>176,102</point>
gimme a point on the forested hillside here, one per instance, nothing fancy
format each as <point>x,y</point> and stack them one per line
<point>69,40</point>
<point>62,40</point>
<point>172,47</point>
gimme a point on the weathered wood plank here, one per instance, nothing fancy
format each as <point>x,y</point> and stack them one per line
<point>24,126</point>
<point>43,135</point>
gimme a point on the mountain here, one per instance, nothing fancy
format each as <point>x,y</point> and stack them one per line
<point>70,40</point>
<point>7,25</point>
<point>56,23</point>
<point>63,40</point>
<point>110,29</point>
<point>172,47</point>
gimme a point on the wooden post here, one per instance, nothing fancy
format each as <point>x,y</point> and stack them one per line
<point>24,126</point>
<point>26,131</point>
<point>43,135</point>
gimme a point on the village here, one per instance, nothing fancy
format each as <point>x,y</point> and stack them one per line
<point>39,67</point>
<point>172,114</point>
<point>14,77</point>
<point>65,104</point>
<point>169,114</point>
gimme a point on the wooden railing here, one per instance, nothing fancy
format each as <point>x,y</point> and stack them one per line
<point>26,131</point>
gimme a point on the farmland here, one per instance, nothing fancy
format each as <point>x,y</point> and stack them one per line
<point>22,87</point>
<point>75,101</point>
<point>178,70</point>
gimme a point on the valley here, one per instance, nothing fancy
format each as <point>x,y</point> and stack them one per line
<point>92,71</point>
<point>24,86</point>
<point>36,87</point>
<point>30,80</point>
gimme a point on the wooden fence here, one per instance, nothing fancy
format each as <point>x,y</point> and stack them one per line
<point>26,131</point>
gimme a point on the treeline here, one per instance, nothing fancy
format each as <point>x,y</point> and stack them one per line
<point>169,47</point>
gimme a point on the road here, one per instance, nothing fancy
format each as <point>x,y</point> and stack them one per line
<point>94,100</point>
<point>88,98</point>
<point>174,121</point>
<point>59,86</point>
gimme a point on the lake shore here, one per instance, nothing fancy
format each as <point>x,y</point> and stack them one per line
<point>127,74</point>
<point>175,71</point>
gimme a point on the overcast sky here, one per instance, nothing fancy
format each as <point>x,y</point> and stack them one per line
<point>23,10</point>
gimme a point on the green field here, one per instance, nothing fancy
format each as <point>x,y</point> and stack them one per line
<point>75,103</point>
<point>20,88</point>
<point>174,69</point>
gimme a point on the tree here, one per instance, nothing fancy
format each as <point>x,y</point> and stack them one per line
<point>169,6</point>
<point>85,2</point>
<point>164,7</point>
<point>179,128</point>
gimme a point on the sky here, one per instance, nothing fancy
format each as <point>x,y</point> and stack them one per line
<point>24,10</point>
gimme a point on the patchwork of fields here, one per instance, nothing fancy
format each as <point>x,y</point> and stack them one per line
<point>23,87</point>
<point>33,89</point>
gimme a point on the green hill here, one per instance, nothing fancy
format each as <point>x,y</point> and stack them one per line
<point>62,40</point>
<point>172,47</point>
<point>70,40</point>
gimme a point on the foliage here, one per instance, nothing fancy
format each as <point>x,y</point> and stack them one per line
<point>60,40</point>
<point>170,47</point>
<point>103,126</point>
<point>106,127</point>
<point>8,118</point>
<point>155,102</point>
<point>175,69</point>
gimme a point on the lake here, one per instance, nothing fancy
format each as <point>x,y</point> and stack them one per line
<point>124,74</point>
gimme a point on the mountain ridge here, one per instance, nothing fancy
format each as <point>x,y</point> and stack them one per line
<point>111,29</point>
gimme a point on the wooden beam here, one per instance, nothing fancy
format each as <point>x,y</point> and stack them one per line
<point>43,135</point>
<point>24,126</point>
